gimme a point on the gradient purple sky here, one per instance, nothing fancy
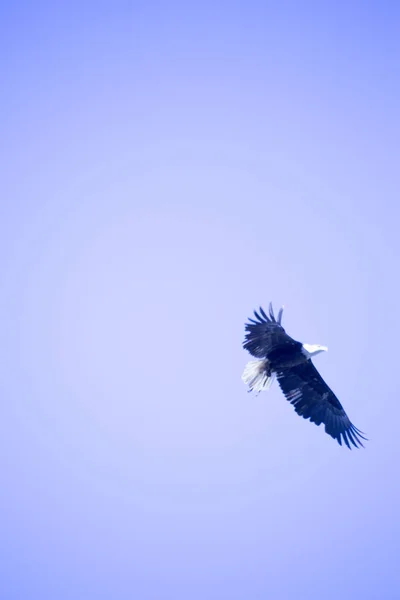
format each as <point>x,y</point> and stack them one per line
<point>166,168</point>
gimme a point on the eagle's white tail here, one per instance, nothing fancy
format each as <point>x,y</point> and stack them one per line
<point>257,376</point>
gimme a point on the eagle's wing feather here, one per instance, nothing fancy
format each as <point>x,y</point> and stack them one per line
<point>312,399</point>
<point>266,333</point>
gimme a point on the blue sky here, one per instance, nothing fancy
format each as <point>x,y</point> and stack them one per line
<point>167,168</point>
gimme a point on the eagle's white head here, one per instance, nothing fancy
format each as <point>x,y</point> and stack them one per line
<point>310,350</point>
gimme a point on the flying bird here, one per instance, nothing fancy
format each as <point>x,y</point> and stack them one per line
<point>278,355</point>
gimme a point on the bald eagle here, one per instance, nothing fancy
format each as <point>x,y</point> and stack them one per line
<point>278,355</point>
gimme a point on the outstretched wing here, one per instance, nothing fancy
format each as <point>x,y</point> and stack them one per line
<point>266,333</point>
<point>312,399</point>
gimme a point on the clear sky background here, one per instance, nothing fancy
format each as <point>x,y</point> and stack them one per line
<point>167,167</point>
